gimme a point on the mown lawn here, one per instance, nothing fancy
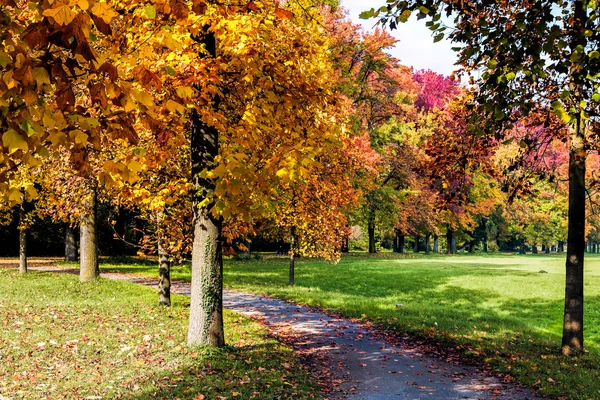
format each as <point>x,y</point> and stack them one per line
<point>61,339</point>
<point>503,310</point>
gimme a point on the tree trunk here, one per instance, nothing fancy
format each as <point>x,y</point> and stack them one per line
<point>401,243</point>
<point>395,241</point>
<point>22,242</point>
<point>561,247</point>
<point>534,249</point>
<point>522,248</point>
<point>485,235</point>
<point>164,273</point>
<point>206,303</point>
<point>450,239</point>
<point>547,250</point>
<point>293,244</point>
<point>88,242</point>
<point>471,246</point>
<point>543,248</point>
<point>371,231</point>
<point>572,338</point>
<point>436,243</point>
<point>416,245</point>
<point>70,244</point>
<point>427,242</point>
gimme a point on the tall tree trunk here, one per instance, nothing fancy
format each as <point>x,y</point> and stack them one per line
<point>22,241</point>
<point>436,243</point>
<point>522,248</point>
<point>70,244</point>
<point>427,242</point>
<point>293,244</point>
<point>395,241</point>
<point>534,249</point>
<point>371,231</point>
<point>471,248</point>
<point>401,243</point>
<point>88,242</point>
<point>206,303</point>
<point>164,272</point>
<point>561,246</point>
<point>450,241</point>
<point>416,245</point>
<point>572,338</point>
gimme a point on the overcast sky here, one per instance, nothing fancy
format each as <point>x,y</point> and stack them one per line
<point>416,47</point>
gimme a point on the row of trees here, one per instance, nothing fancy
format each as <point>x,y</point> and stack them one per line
<point>218,123</point>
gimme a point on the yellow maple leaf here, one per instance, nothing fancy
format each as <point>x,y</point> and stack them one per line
<point>62,15</point>
<point>104,11</point>
<point>14,141</point>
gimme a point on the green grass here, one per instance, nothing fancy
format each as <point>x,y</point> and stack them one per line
<point>62,339</point>
<point>497,309</point>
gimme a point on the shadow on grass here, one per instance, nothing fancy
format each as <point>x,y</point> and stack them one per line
<point>254,371</point>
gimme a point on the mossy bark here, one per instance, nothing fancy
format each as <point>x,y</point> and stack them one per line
<point>88,241</point>
<point>206,303</point>
<point>164,274</point>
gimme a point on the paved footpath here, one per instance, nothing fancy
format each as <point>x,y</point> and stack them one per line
<point>355,361</point>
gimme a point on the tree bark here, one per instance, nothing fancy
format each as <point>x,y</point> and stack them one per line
<point>572,338</point>
<point>436,243</point>
<point>70,244</point>
<point>416,245</point>
<point>206,303</point>
<point>561,247</point>
<point>471,246</point>
<point>522,248</point>
<point>22,242</point>
<point>371,231</point>
<point>401,243</point>
<point>427,242</point>
<point>395,241</point>
<point>293,243</point>
<point>450,241</point>
<point>534,249</point>
<point>88,242</point>
<point>164,273</point>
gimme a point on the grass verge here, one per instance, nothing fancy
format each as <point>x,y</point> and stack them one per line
<point>107,339</point>
<point>504,311</point>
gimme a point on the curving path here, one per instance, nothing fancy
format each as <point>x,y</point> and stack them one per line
<point>353,361</point>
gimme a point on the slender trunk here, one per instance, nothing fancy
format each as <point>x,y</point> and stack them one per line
<point>292,253</point>
<point>572,338</point>
<point>371,231</point>
<point>416,245</point>
<point>436,243</point>
<point>164,273</point>
<point>450,240</point>
<point>395,241</point>
<point>206,303</point>
<point>70,244</point>
<point>22,242</point>
<point>427,242</point>
<point>401,243</point>
<point>88,264</point>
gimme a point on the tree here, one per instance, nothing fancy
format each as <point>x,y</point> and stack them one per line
<point>533,54</point>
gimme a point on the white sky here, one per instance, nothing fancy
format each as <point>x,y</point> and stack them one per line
<point>416,47</point>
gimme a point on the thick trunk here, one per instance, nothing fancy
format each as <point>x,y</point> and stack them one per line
<point>293,244</point>
<point>416,244</point>
<point>471,246</point>
<point>70,244</point>
<point>88,264</point>
<point>436,243</point>
<point>572,339</point>
<point>206,303</point>
<point>164,273</point>
<point>451,246</point>
<point>427,242</point>
<point>401,243</point>
<point>22,242</point>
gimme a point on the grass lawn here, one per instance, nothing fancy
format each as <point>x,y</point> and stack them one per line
<point>61,339</point>
<point>504,310</point>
